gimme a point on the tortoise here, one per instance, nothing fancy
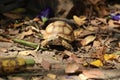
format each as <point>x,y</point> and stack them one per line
<point>58,33</point>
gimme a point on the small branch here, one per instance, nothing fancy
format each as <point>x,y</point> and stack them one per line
<point>27,43</point>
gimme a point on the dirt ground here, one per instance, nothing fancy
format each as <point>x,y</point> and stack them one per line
<point>91,53</point>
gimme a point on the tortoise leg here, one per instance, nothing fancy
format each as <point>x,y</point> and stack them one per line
<point>67,45</point>
<point>44,43</point>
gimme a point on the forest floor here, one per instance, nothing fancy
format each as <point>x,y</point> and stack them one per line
<point>95,54</point>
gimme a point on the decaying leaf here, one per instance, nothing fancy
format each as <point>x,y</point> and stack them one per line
<point>77,32</point>
<point>72,56</point>
<point>103,20</point>
<point>92,28</point>
<point>110,56</point>
<point>96,44</point>
<point>12,15</point>
<point>71,68</point>
<point>94,2</point>
<point>79,20</point>
<point>95,22</point>
<point>88,40</point>
<point>52,76</point>
<point>15,78</point>
<point>97,63</point>
<point>5,44</point>
<point>27,52</point>
<point>45,64</point>
<point>111,24</point>
<point>23,34</point>
<point>2,39</point>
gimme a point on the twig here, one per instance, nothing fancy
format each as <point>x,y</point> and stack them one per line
<point>29,44</point>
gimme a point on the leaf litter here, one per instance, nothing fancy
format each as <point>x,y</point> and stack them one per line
<point>96,46</point>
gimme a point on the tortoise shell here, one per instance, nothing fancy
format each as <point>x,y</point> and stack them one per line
<point>59,32</point>
<point>59,27</point>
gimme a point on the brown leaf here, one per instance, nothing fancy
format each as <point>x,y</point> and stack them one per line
<point>79,20</point>
<point>94,2</point>
<point>12,15</point>
<point>95,22</point>
<point>16,78</point>
<point>77,32</point>
<point>5,44</point>
<point>23,34</point>
<point>13,31</point>
<point>71,68</point>
<point>96,44</point>
<point>111,24</point>
<point>45,64</point>
<point>103,20</point>
<point>52,76</point>
<point>73,57</point>
<point>2,39</point>
<point>88,40</point>
<point>93,73</point>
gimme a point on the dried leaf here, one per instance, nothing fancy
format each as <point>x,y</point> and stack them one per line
<point>12,15</point>
<point>77,32</point>
<point>5,44</point>
<point>95,22</point>
<point>110,56</point>
<point>23,34</point>
<point>79,20</point>
<point>18,25</point>
<point>83,77</point>
<point>96,44</point>
<point>27,52</point>
<point>52,76</point>
<point>71,68</point>
<point>97,63</point>
<point>111,24</point>
<point>88,40</point>
<point>103,20</point>
<point>72,56</point>
<point>15,78</point>
<point>93,74</point>
<point>2,39</point>
<point>94,2</point>
<point>92,28</point>
<point>45,64</point>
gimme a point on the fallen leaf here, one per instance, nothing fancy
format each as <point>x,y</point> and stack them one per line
<point>16,25</point>
<point>12,15</point>
<point>5,44</point>
<point>110,56</point>
<point>92,28</point>
<point>15,78</point>
<point>103,20</point>
<point>117,52</point>
<point>79,20</point>
<point>2,39</point>
<point>111,24</point>
<point>94,2</point>
<point>27,52</point>
<point>88,40</point>
<point>71,68</point>
<point>97,63</point>
<point>93,74</point>
<point>96,44</point>
<point>23,34</point>
<point>72,56</point>
<point>12,31</point>
<point>52,76</point>
<point>77,32</point>
<point>95,22</point>
<point>83,77</point>
<point>45,64</point>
